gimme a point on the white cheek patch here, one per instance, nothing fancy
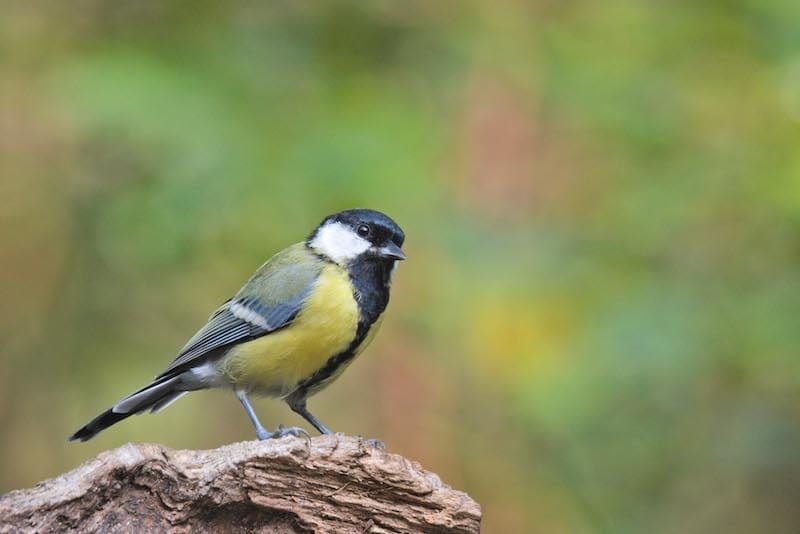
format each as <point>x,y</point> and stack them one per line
<point>339,242</point>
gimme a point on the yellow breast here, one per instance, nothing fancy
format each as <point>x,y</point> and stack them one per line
<point>273,364</point>
<point>339,370</point>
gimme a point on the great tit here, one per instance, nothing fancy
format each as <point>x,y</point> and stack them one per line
<point>292,329</point>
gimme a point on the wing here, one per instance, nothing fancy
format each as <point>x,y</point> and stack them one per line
<point>270,300</point>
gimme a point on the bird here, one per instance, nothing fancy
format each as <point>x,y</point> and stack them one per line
<point>291,329</point>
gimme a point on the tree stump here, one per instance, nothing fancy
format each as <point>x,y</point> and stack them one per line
<point>330,483</point>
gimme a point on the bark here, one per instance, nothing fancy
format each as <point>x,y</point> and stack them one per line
<point>325,484</point>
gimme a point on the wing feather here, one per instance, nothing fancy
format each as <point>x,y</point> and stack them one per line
<point>270,300</point>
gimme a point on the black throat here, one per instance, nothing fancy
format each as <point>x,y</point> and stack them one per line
<point>371,279</point>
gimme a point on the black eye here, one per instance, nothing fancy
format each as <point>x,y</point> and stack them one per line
<point>363,230</point>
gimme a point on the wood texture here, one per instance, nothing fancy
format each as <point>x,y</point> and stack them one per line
<point>325,484</point>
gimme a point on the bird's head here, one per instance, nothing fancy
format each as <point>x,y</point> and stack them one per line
<point>358,234</point>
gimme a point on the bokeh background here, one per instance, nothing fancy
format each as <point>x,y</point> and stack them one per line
<point>597,328</point>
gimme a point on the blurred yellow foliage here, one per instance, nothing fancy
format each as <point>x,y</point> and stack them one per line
<point>510,339</point>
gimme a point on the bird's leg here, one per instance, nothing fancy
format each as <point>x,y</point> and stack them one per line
<point>261,432</point>
<point>299,406</point>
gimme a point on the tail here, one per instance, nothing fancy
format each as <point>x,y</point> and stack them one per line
<point>154,397</point>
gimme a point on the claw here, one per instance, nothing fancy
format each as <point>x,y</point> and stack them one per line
<point>281,431</point>
<point>295,431</point>
<point>377,443</point>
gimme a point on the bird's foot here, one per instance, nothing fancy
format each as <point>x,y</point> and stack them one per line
<point>295,431</point>
<point>377,443</point>
<point>281,431</point>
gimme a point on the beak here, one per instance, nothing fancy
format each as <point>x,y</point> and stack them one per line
<point>390,251</point>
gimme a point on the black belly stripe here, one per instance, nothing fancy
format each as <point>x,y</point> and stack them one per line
<point>371,290</point>
<point>330,367</point>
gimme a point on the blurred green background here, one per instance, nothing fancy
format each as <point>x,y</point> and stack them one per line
<point>597,328</point>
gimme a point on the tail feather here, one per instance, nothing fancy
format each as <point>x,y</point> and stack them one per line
<point>98,424</point>
<point>166,401</point>
<point>154,397</point>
